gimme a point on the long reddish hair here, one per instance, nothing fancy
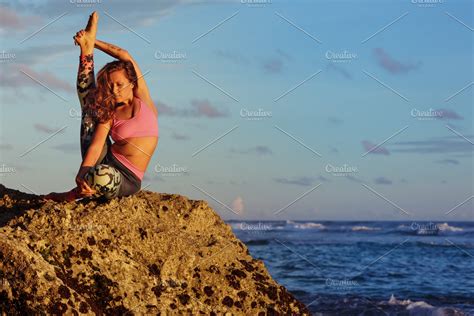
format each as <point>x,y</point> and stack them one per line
<point>101,100</point>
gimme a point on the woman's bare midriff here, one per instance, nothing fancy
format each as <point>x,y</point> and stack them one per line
<point>138,150</point>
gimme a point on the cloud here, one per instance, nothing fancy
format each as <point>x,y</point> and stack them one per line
<point>198,108</point>
<point>259,150</point>
<point>238,205</point>
<point>68,148</point>
<point>323,179</point>
<point>391,65</point>
<point>302,181</point>
<point>17,76</point>
<point>335,120</point>
<point>449,115</point>
<point>382,180</point>
<point>436,145</point>
<point>46,129</point>
<point>10,20</point>
<point>34,55</point>
<point>283,54</point>
<point>372,148</point>
<point>179,136</point>
<point>339,69</point>
<point>272,66</point>
<point>333,149</point>
<point>448,161</point>
<point>234,57</point>
<point>149,13</point>
<point>353,179</point>
<point>6,146</point>
<point>205,108</point>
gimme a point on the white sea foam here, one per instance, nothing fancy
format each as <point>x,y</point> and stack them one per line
<point>308,226</point>
<point>421,308</point>
<point>364,228</point>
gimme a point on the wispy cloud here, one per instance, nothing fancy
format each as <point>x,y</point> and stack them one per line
<point>178,136</point>
<point>353,179</point>
<point>198,108</point>
<point>373,149</point>
<point>6,146</point>
<point>449,114</point>
<point>382,180</point>
<point>235,57</point>
<point>335,120</point>
<point>150,11</point>
<point>391,65</point>
<point>435,145</point>
<point>18,76</point>
<point>46,129</point>
<point>259,150</point>
<point>275,64</point>
<point>11,20</point>
<point>41,55</point>
<point>448,161</point>
<point>272,66</point>
<point>302,181</point>
<point>338,69</point>
<point>69,148</point>
<point>284,54</point>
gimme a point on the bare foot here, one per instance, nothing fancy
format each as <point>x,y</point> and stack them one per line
<point>62,196</point>
<point>86,38</point>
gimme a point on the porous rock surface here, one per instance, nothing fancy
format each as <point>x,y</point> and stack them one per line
<point>150,253</point>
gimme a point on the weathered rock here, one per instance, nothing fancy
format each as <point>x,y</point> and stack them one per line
<point>149,253</point>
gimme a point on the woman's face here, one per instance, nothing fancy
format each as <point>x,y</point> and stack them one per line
<point>122,88</point>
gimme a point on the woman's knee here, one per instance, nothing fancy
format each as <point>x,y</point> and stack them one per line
<point>105,179</point>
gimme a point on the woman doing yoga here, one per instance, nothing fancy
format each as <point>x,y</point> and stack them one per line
<point>119,104</point>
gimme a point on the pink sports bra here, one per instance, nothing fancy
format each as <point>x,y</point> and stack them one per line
<point>143,123</point>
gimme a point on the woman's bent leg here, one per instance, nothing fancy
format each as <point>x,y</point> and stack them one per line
<point>106,180</point>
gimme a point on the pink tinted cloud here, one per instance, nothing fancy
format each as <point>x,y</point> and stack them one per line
<point>11,20</point>
<point>449,115</point>
<point>17,76</point>
<point>391,65</point>
<point>198,108</point>
<point>372,148</point>
<point>205,108</point>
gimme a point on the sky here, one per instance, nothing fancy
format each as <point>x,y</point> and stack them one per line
<point>268,110</point>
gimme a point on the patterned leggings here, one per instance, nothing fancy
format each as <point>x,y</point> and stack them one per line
<point>109,177</point>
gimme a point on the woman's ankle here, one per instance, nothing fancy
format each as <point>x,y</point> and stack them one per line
<point>87,51</point>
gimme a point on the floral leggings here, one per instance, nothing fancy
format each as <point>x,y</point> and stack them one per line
<point>109,177</point>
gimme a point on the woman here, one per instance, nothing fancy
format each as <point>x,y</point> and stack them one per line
<point>119,105</point>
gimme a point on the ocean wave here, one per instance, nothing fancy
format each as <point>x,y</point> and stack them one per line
<point>445,227</point>
<point>429,229</point>
<point>309,226</point>
<point>365,228</point>
<point>359,305</point>
<point>414,228</point>
<point>423,308</point>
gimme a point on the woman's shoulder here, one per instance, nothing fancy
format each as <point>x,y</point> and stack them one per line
<point>148,103</point>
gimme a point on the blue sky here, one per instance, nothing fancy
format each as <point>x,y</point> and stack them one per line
<point>310,110</point>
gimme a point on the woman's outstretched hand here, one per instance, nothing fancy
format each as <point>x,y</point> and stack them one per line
<point>79,38</point>
<point>83,187</point>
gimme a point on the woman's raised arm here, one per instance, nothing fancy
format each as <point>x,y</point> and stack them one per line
<point>141,88</point>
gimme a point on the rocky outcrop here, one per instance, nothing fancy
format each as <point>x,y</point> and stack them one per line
<point>150,253</point>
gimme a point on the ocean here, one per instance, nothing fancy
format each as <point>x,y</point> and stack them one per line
<point>368,268</point>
